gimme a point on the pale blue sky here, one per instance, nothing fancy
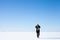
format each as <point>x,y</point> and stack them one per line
<point>23,15</point>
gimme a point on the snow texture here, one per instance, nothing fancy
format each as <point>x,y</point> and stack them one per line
<point>29,36</point>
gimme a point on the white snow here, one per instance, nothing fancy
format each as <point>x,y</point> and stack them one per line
<point>29,36</point>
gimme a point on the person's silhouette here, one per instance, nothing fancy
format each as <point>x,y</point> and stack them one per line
<point>38,30</point>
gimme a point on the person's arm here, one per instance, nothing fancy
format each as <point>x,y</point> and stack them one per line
<point>35,26</point>
<point>38,26</point>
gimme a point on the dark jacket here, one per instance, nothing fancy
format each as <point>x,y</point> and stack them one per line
<point>37,28</point>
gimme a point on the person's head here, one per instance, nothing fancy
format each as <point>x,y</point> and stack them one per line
<point>37,24</point>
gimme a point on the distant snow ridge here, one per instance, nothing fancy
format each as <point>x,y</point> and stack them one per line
<point>29,36</point>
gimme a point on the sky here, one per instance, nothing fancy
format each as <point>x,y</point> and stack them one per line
<point>23,15</point>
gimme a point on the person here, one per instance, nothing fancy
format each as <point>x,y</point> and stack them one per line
<point>38,30</point>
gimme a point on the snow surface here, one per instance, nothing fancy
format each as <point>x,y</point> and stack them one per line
<point>29,36</point>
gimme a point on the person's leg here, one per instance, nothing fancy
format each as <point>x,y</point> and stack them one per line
<point>38,34</point>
